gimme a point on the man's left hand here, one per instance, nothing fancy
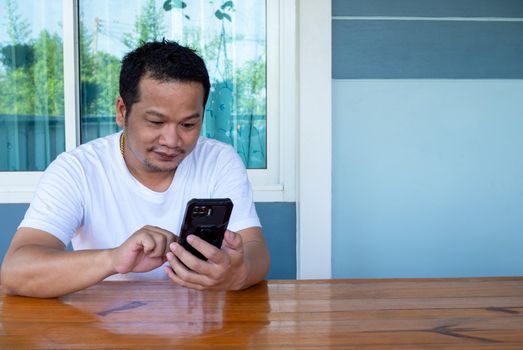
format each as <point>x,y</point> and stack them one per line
<point>225,268</point>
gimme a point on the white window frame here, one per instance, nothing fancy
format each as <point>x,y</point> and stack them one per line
<point>314,202</point>
<point>274,184</point>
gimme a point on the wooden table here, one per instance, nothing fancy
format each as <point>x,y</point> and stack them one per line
<point>346,314</point>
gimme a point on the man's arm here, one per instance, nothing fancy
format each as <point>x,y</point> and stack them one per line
<point>256,255</point>
<point>37,264</point>
<point>242,261</point>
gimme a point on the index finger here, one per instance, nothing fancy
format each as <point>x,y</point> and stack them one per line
<point>170,237</point>
<point>211,252</point>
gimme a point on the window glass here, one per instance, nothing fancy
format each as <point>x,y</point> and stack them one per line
<point>31,84</point>
<point>231,37</point>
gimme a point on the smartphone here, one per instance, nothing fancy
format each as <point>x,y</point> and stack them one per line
<point>206,218</point>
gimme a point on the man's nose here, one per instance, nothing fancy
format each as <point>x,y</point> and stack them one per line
<point>170,137</point>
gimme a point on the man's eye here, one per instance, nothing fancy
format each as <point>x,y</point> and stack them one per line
<point>188,125</point>
<point>154,122</point>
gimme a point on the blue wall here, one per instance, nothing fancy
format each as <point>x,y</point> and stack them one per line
<point>427,138</point>
<point>10,217</point>
<point>278,221</point>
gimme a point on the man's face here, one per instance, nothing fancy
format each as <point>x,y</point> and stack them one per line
<point>163,126</point>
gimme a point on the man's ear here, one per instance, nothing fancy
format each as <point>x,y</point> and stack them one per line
<point>121,112</point>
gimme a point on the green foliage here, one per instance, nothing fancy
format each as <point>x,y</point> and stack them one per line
<point>17,56</point>
<point>86,57</point>
<point>147,26</point>
<point>31,76</point>
<point>99,74</point>
<point>47,73</point>
<point>31,70</point>
<point>32,79</point>
<point>99,88</point>
<point>250,87</point>
<point>18,29</point>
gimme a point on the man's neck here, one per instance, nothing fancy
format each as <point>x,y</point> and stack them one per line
<point>158,181</point>
<point>155,181</point>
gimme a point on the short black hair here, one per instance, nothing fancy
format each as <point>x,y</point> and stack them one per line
<point>163,61</point>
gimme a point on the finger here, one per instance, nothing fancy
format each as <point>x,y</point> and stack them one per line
<point>175,263</point>
<point>233,240</point>
<point>154,244</point>
<point>233,244</point>
<point>233,247</point>
<point>211,252</point>
<point>171,237</point>
<point>169,271</point>
<point>160,246</point>
<point>212,269</point>
<point>146,243</point>
<point>185,274</point>
<point>163,237</point>
<point>188,259</point>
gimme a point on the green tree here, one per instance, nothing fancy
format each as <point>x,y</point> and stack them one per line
<point>36,89</point>
<point>48,75</point>
<point>87,69</point>
<point>16,56</point>
<point>107,74</point>
<point>148,26</point>
<point>250,86</point>
<point>16,97</point>
<point>86,54</point>
<point>18,29</point>
<point>99,73</point>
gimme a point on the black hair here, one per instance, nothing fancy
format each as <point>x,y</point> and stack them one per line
<point>163,61</point>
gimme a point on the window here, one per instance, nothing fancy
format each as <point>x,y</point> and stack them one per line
<point>230,35</point>
<point>31,85</point>
<point>76,81</point>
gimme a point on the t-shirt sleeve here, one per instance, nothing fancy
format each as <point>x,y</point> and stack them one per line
<point>57,207</point>
<point>233,182</point>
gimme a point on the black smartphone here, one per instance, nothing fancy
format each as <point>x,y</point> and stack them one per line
<point>206,218</point>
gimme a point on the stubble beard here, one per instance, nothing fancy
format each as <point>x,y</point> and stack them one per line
<point>156,168</point>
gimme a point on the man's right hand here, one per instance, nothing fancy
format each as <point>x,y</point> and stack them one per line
<point>37,264</point>
<point>144,251</point>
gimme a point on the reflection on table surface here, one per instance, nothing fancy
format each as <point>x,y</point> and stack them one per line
<point>378,314</point>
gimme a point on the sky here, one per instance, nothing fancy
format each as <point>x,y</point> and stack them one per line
<point>117,17</point>
<point>39,14</point>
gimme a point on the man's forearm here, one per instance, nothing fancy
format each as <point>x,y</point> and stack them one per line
<point>257,262</point>
<point>45,272</point>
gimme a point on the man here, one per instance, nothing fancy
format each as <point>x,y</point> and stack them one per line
<point>119,198</point>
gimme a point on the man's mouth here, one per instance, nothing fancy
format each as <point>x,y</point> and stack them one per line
<point>167,156</point>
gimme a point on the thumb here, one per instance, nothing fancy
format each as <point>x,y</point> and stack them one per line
<point>233,240</point>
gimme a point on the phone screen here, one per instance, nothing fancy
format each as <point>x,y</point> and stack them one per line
<point>207,219</point>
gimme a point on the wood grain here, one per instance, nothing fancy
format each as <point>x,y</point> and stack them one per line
<point>483,313</point>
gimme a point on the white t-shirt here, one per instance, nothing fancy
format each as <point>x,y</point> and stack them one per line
<point>88,196</point>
